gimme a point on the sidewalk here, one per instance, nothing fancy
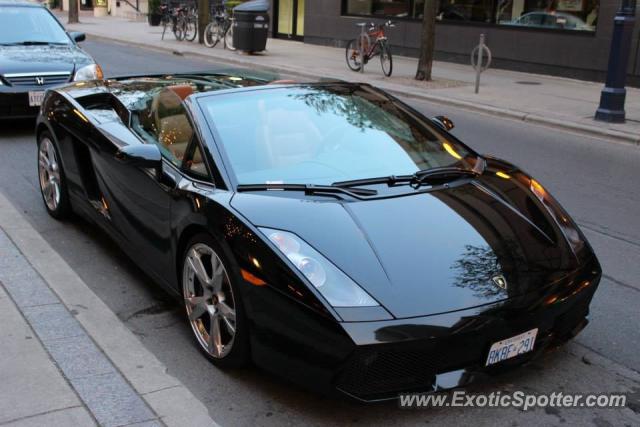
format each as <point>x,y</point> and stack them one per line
<point>553,101</point>
<point>65,358</point>
<point>32,390</point>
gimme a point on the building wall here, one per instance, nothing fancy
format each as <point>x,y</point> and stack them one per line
<point>564,53</point>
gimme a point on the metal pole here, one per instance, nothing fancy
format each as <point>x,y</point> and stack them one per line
<point>479,63</point>
<point>361,46</point>
<point>612,97</point>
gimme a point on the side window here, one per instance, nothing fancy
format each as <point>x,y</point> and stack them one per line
<point>194,164</point>
<point>173,131</point>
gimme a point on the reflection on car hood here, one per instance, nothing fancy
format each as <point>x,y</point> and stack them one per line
<point>427,253</point>
<point>30,59</point>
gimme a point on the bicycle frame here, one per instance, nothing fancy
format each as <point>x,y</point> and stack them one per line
<point>377,33</point>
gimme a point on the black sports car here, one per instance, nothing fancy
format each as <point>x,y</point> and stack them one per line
<point>326,231</point>
<point>35,54</point>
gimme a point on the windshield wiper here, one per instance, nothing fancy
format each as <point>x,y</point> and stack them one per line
<point>308,189</point>
<point>418,178</point>
<point>447,172</point>
<point>389,180</point>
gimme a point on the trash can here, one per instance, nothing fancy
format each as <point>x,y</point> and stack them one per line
<point>251,26</point>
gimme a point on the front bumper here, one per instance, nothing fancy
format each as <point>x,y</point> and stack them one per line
<point>15,105</point>
<point>430,353</point>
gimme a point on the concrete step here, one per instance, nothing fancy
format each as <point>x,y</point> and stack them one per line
<point>127,11</point>
<point>133,15</point>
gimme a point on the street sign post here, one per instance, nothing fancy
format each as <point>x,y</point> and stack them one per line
<point>478,56</point>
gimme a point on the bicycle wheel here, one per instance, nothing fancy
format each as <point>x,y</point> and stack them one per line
<point>165,24</point>
<point>178,29</point>
<point>212,34</point>
<point>356,52</point>
<point>191,29</point>
<point>353,55</point>
<point>386,60</point>
<point>228,37</point>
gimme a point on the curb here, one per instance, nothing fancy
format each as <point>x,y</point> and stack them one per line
<point>174,404</point>
<point>584,129</point>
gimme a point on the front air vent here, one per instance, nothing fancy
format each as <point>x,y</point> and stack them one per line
<point>43,79</point>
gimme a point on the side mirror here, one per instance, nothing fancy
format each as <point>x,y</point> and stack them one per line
<point>146,156</point>
<point>444,122</point>
<point>77,36</point>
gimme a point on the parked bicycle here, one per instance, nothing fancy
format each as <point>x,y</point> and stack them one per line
<point>183,21</point>
<point>370,43</point>
<point>187,24</point>
<point>168,19</point>
<point>220,28</point>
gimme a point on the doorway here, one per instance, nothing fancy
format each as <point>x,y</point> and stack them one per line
<point>290,19</point>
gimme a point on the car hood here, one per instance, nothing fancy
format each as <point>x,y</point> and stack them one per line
<point>32,59</point>
<point>431,252</point>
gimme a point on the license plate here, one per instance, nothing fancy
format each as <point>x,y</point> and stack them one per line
<point>511,347</point>
<point>35,99</point>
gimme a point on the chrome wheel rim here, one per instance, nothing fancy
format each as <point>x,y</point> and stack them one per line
<point>49,172</point>
<point>209,300</point>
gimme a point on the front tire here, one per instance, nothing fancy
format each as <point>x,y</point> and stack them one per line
<point>211,292</point>
<point>386,60</point>
<point>53,182</point>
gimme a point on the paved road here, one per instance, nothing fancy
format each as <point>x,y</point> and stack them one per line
<point>595,180</point>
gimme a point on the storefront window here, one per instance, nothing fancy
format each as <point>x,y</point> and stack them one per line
<point>578,15</point>
<point>381,8</point>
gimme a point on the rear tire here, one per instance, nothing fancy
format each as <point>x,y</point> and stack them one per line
<point>52,179</point>
<point>386,60</point>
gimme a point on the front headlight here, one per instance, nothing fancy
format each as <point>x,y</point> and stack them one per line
<point>90,72</point>
<point>333,284</point>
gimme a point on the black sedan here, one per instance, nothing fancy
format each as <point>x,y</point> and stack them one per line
<point>35,54</point>
<point>326,231</point>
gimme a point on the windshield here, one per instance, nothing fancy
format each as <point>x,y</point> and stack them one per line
<point>325,134</point>
<point>30,24</point>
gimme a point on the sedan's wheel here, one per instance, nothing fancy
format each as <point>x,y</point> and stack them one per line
<point>52,179</point>
<point>212,302</point>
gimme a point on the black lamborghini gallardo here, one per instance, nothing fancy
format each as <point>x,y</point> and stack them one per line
<point>326,231</point>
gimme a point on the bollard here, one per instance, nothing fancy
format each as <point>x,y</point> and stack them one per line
<point>478,55</point>
<point>363,46</point>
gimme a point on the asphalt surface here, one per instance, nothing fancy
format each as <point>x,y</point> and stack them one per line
<point>595,180</point>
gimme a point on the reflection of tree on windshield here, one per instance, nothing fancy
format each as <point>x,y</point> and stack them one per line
<point>369,111</point>
<point>476,268</point>
<point>358,111</point>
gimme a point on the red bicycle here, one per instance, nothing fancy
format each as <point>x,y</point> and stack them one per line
<point>361,50</point>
